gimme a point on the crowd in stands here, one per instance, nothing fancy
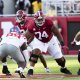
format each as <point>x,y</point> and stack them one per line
<point>63,7</point>
<point>1,6</point>
<point>30,6</point>
<point>49,7</point>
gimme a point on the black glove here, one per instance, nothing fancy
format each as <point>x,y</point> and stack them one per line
<point>62,43</point>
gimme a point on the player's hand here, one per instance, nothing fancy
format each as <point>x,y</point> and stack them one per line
<point>62,43</point>
<point>65,49</point>
<point>73,43</point>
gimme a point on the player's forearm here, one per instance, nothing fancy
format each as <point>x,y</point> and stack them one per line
<point>77,37</point>
<point>58,34</point>
<point>29,40</point>
<point>60,39</point>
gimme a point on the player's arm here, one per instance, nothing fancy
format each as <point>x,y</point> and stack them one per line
<point>24,46</point>
<point>55,22</point>
<point>77,37</point>
<point>29,36</point>
<point>59,28</point>
<point>58,34</point>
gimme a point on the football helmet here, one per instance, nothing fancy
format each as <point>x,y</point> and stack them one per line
<point>20,16</point>
<point>15,29</point>
<point>39,18</point>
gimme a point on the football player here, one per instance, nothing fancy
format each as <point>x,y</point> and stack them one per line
<point>10,45</point>
<point>42,30</point>
<point>76,41</point>
<point>22,22</point>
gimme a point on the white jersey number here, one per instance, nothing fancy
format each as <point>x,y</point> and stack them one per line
<point>43,34</point>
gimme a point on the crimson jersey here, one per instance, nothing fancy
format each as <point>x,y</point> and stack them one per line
<point>42,33</point>
<point>22,27</point>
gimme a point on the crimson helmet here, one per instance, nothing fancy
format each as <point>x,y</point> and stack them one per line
<point>20,16</point>
<point>39,18</point>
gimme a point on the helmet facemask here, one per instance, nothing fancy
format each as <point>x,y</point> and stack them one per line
<point>39,19</point>
<point>20,18</point>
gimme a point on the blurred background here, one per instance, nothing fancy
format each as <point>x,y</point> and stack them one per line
<point>49,7</point>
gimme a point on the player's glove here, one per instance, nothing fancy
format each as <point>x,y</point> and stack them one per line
<point>62,43</point>
<point>64,48</point>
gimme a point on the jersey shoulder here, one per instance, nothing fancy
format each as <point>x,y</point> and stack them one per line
<point>49,22</point>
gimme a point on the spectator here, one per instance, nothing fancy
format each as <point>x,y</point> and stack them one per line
<point>1,6</point>
<point>40,4</point>
<point>78,6</point>
<point>22,5</point>
<point>27,5</point>
<point>36,6</point>
<point>51,11</point>
<point>31,7</point>
<point>69,7</point>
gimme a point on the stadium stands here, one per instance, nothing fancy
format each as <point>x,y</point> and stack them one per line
<point>61,7</point>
